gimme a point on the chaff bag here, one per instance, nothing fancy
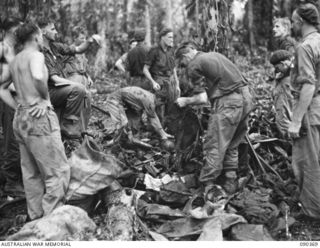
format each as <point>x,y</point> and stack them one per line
<point>91,170</point>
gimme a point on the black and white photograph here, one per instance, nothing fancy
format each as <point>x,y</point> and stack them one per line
<point>159,120</point>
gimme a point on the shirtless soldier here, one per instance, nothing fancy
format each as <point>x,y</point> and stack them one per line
<point>44,165</point>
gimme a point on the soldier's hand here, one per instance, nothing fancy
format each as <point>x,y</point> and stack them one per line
<point>182,102</point>
<point>39,109</point>
<point>169,136</point>
<point>294,129</point>
<point>90,82</point>
<point>156,86</point>
<point>97,38</point>
<point>130,137</point>
<point>178,91</point>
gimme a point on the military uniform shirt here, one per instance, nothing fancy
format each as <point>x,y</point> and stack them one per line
<point>161,62</point>
<point>136,59</point>
<point>215,74</point>
<point>136,98</point>
<point>54,58</point>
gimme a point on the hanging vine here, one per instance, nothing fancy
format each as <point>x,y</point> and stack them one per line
<point>215,23</point>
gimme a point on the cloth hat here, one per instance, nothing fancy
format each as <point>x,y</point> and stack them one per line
<point>164,31</point>
<point>139,35</point>
<point>280,55</point>
<point>309,13</point>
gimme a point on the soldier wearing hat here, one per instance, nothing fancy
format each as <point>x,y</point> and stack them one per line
<point>306,111</point>
<point>282,96</point>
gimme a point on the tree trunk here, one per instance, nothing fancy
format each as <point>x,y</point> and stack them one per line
<point>120,216</point>
<point>125,16</point>
<point>252,41</point>
<point>115,18</point>
<point>224,30</point>
<point>130,23</point>
<point>148,25</point>
<point>100,61</point>
<point>168,20</point>
<point>197,17</point>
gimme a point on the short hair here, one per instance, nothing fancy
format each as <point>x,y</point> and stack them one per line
<point>26,31</point>
<point>309,13</point>
<point>183,48</point>
<point>139,34</point>
<point>285,22</point>
<point>165,31</point>
<point>43,22</point>
<point>9,23</point>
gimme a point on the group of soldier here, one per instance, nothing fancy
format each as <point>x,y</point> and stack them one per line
<point>296,99</point>
<point>51,101</point>
<point>38,76</point>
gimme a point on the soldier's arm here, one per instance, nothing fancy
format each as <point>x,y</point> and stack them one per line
<point>175,75</point>
<point>6,95</point>
<point>197,99</point>
<point>147,73</point>
<point>4,73</point>
<point>65,49</point>
<point>155,123</point>
<point>305,99</point>
<point>306,70</point>
<point>37,64</point>
<point>149,61</point>
<point>198,81</point>
<point>150,111</point>
<point>84,46</point>
<point>59,81</point>
<point>120,63</point>
<point>38,73</point>
<point>4,67</point>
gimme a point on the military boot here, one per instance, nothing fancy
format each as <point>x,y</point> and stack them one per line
<point>230,182</point>
<point>71,127</point>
